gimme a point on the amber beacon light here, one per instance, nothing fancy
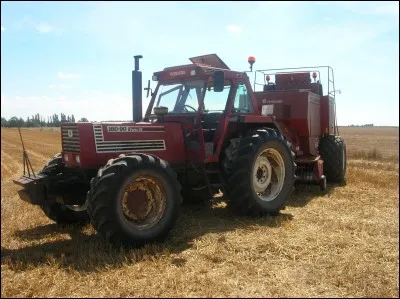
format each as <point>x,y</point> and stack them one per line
<point>251,60</point>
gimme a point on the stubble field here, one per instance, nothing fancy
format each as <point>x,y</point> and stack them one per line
<point>341,244</point>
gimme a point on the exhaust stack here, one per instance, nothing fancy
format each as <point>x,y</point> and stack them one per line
<point>137,91</point>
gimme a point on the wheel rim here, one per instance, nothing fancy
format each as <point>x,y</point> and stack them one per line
<point>77,208</point>
<point>268,174</point>
<point>143,202</point>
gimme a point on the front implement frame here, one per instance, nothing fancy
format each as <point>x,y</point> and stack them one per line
<point>25,159</point>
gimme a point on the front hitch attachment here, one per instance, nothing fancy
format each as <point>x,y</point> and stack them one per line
<point>33,184</point>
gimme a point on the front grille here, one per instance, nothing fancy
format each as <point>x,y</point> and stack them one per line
<point>70,138</point>
<point>113,146</point>
<point>128,146</point>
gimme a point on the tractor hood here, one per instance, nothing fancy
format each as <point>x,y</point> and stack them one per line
<point>97,142</point>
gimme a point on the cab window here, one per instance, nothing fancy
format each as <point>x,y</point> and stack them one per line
<point>242,102</point>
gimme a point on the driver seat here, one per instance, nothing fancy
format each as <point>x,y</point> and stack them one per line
<point>209,124</point>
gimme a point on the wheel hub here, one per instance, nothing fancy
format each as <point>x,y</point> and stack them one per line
<point>262,175</point>
<point>268,174</point>
<point>137,202</point>
<point>143,201</point>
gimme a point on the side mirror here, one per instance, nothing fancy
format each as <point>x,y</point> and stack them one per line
<point>148,89</point>
<point>219,81</point>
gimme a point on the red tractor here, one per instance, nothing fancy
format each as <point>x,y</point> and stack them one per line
<point>205,130</point>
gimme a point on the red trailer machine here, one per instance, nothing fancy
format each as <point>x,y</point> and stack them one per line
<point>308,118</point>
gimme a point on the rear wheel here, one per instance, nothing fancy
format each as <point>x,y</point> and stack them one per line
<point>333,152</point>
<point>56,211</point>
<point>134,200</point>
<point>259,171</point>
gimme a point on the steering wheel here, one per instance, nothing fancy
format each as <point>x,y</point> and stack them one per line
<point>184,107</point>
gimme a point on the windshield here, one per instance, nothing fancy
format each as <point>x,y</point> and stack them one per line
<point>185,97</point>
<point>180,98</point>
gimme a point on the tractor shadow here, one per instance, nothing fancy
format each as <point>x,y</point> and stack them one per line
<point>304,193</point>
<point>78,248</point>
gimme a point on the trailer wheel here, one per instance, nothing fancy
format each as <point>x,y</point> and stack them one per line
<point>134,200</point>
<point>260,172</point>
<point>58,212</point>
<point>333,152</point>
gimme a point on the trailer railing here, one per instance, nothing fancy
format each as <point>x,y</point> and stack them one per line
<point>260,76</point>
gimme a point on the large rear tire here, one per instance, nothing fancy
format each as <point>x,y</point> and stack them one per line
<point>333,151</point>
<point>134,200</point>
<point>58,212</point>
<point>260,172</point>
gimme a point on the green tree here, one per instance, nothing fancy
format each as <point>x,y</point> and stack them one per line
<point>56,121</point>
<point>21,122</point>
<point>13,122</point>
<point>28,122</point>
<point>4,122</point>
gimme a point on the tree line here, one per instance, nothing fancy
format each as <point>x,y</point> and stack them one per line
<point>366,125</point>
<point>38,121</point>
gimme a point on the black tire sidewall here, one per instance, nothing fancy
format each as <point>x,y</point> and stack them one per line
<point>344,158</point>
<point>283,150</point>
<point>333,152</point>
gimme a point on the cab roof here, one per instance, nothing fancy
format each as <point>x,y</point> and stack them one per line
<point>200,66</point>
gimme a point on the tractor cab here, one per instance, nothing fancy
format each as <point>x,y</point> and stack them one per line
<point>186,90</point>
<point>197,95</point>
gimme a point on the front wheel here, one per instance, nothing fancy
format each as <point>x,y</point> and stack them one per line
<point>134,200</point>
<point>64,214</point>
<point>260,172</point>
<point>56,211</point>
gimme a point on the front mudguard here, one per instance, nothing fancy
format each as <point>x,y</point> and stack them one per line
<point>34,188</point>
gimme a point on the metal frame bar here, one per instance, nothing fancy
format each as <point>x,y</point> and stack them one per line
<point>25,159</point>
<point>303,68</point>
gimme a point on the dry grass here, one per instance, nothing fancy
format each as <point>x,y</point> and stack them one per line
<point>375,143</point>
<point>342,244</point>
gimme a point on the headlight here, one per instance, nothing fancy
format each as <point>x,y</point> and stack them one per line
<point>78,159</point>
<point>154,78</point>
<point>66,157</point>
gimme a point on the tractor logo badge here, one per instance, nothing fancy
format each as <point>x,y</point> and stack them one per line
<point>177,73</point>
<point>70,134</point>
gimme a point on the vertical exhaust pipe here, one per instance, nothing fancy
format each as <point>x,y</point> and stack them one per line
<point>137,91</point>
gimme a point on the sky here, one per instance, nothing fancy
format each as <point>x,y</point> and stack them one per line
<point>77,57</point>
